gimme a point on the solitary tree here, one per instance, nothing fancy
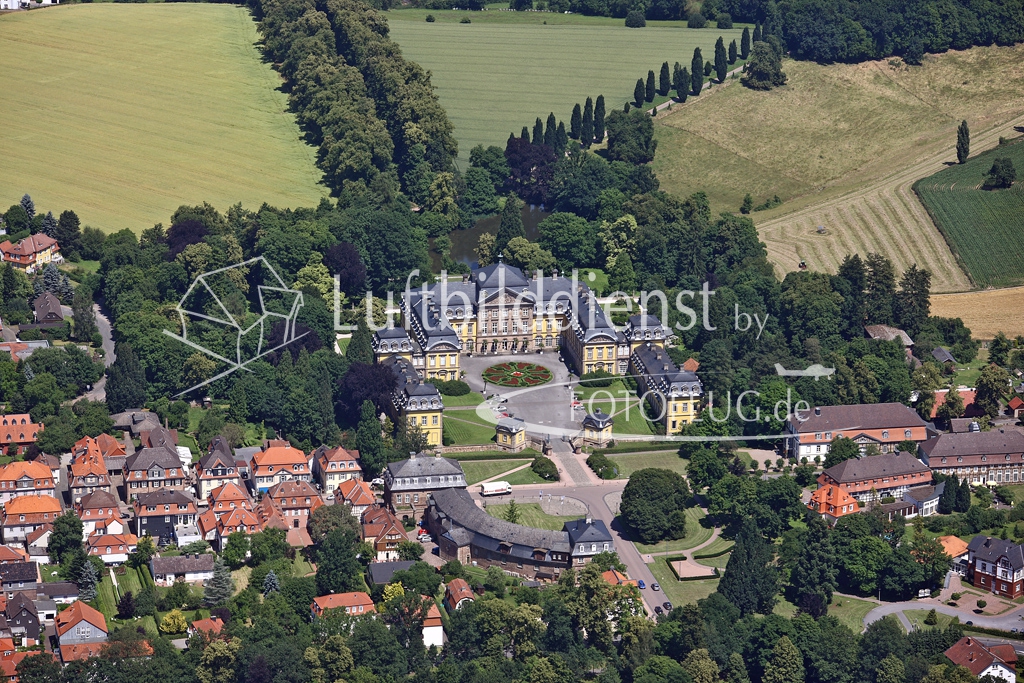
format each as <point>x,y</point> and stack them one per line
<point>649,91</point>
<point>29,206</point>
<point>587,129</point>
<point>219,588</point>
<point>747,205</point>
<point>1002,174</point>
<point>49,226</point>
<point>87,582</point>
<point>82,316</point>
<point>599,119</point>
<point>745,43</point>
<point>638,93</point>
<point>126,606</point>
<point>721,60</point>
<point>576,120</point>
<point>271,583</point>
<point>664,84</point>
<point>65,537</point>
<point>764,70</point>
<point>360,347</point>
<point>511,225</point>
<point>963,142</point>
<point>696,72</point>
<point>732,52</point>
<point>512,515</point>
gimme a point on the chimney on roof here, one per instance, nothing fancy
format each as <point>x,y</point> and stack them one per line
<point>817,410</point>
<point>590,520</point>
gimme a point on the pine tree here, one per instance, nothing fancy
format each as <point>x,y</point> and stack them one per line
<point>512,515</point>
<point>68,233</point>
<point>126,606</point>
<point>947,501</point>
<point>550,131</point>
<point>963,497</point>
<point>270,583</point>
<point>599,119</point>
<point>561,139</point>
<point>29,206</point>
<point>649,91</point>
<point>51,278</point>
<point>751,580</point>
<point>37,286</point>
<point>126,382</point>
<point>745,43</point>
<point>87,580</point>
<point>683,85</point>
<point>757,33</point>
<point>638,93</point>
<point>360,347</point>
<point>815,575</point>
<point>576,122</point>
<point>49,227</point>
<point>219,588</point>
<point>721,61</point>
<point>785,665</point>
<point>677,69</point>
<point>525,134</point>
<point>664,84</point>
<point>64,290</point>
<point>736,670</point>
<point>587,129</point>
<point>732,52</point>
<point>369,441</point>
<point>82,316</point>
<point>696,71</point>
<point>511,225</point>
<point>963,142</point>
<point>538,132</point>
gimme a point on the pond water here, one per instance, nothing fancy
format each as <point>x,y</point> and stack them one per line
<point>464,241</point>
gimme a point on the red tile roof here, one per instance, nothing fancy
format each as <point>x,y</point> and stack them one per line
<point>345,601</point>
<point>213,625</point>
<point>970,653</point>
<point>34,504</point>
<point>355,492</point>
<point>968,396</point>
<point>80,651</point>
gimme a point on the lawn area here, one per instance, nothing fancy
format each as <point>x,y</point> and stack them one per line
<point>695,535</point>
<point>717,546</point>
<point>599,283</point>
<point>967,374</point>
<point>851,611</point>
<point>464,431</point>
<point>917,617</point>
<point>984,227</point>
<point>470,399</point>
<point>485,469</point>
<point>616,391</point>
<point>46,571</point>
<point>628,464</point>
<point>107,137</point>
<point>505,69</point>
<point>525,477</point>
<point>530,514</point>
<point>106,600</point>
<point>678,592</point>
<point>631,420</point>
<point>809,148</point>
<point>241,578</point>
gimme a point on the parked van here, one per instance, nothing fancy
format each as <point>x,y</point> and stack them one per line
<point>495,488</point>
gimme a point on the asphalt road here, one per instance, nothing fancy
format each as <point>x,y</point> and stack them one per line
<point>99,391</point>
<point>1004,622</point>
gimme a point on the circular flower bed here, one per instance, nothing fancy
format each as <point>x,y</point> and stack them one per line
<point>517,374</point>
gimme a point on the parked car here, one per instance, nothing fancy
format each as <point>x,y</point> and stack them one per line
<point>655,586</point>
<point>667,605</point>
<point>657,609</point>
<point>641,585</point>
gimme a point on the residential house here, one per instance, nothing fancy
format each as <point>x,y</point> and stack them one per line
<point>994,458</point>
<point>153,469</point>
<point>158,514</point>
<point>30,254</point>
<point>1016,407</point>
<point>614,577</point>
<point>9,553</point>
<point>832,502</point>
<point>997,660</point>
<point>50,461</point>
<point>357,494</point>
<point>24,478</point>
<point>888,333</point>
<point>332,466</point>
<point>353,603</point>
<point>81,632</point>
<point>236,521</point>
<point>381,573</point>
<point>433,629</point>
<point>883,425</point>
<point>46,310</point>
<point>383,530</point>
<point>18,432</point>
<point>408,483</point>
<point>188,568</point>
<point>20,577</point>
<point>943,356</point>
<point>228,497</point>
<point>588,537</point>
<point>510,434</point>
<point>457,593</point>
<point>25,514</point>
<point>967,395</point>
<point>276,464</point>
<point>996,566</point>
<point>210,627</point>
<point>925,499</point>
<point>877,476</point>
<point>113,549</point>
<point>597,428</point>
<point>956,548</point>
<point>61,592</point>
<point>88,470</point>
<point>38,544</point>
<point>136,421</point>
<point>296,499</point>
<point>96,508</point>
<point>216,468</point>
<point>22,616</point>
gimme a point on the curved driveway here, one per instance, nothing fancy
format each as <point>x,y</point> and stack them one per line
<point>1005,622</point>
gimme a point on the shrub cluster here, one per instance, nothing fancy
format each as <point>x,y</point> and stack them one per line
<point>602,466</point>
<point>597,378</point>
<point>545,468</point>
<point>452,387</point>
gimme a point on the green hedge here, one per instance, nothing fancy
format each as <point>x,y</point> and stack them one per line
<point>710,556</point>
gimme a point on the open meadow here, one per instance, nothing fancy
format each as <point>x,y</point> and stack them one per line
<point>123,112</point>
<point>985,228</point>
<point>985,312</point>
<point>842,145</point>
<point>500,72</point>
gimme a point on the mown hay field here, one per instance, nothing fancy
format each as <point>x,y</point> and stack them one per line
<point>123,112</point>
<point>842,145</point>
<point>984,227</point>
<point>985,312</point>
<point>494,77</point>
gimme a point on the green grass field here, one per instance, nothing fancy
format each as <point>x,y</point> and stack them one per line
<point>985,228</point>
<point>465,432</point>
<point>628,464</point>
<point>485,469</point>
<point>917,617</point>
<point>851,611</point>
<point>505,69</point>
<point>531,515</point>
<point>123,112</point>
<point>525,477</point>
<point>695,535</point>
<point>675,591</point>
<point>470,399</point>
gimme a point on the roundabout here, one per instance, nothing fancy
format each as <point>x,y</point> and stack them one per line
<point>517,374</point>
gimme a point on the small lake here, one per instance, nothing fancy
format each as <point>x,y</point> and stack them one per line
<point>464,241</point>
